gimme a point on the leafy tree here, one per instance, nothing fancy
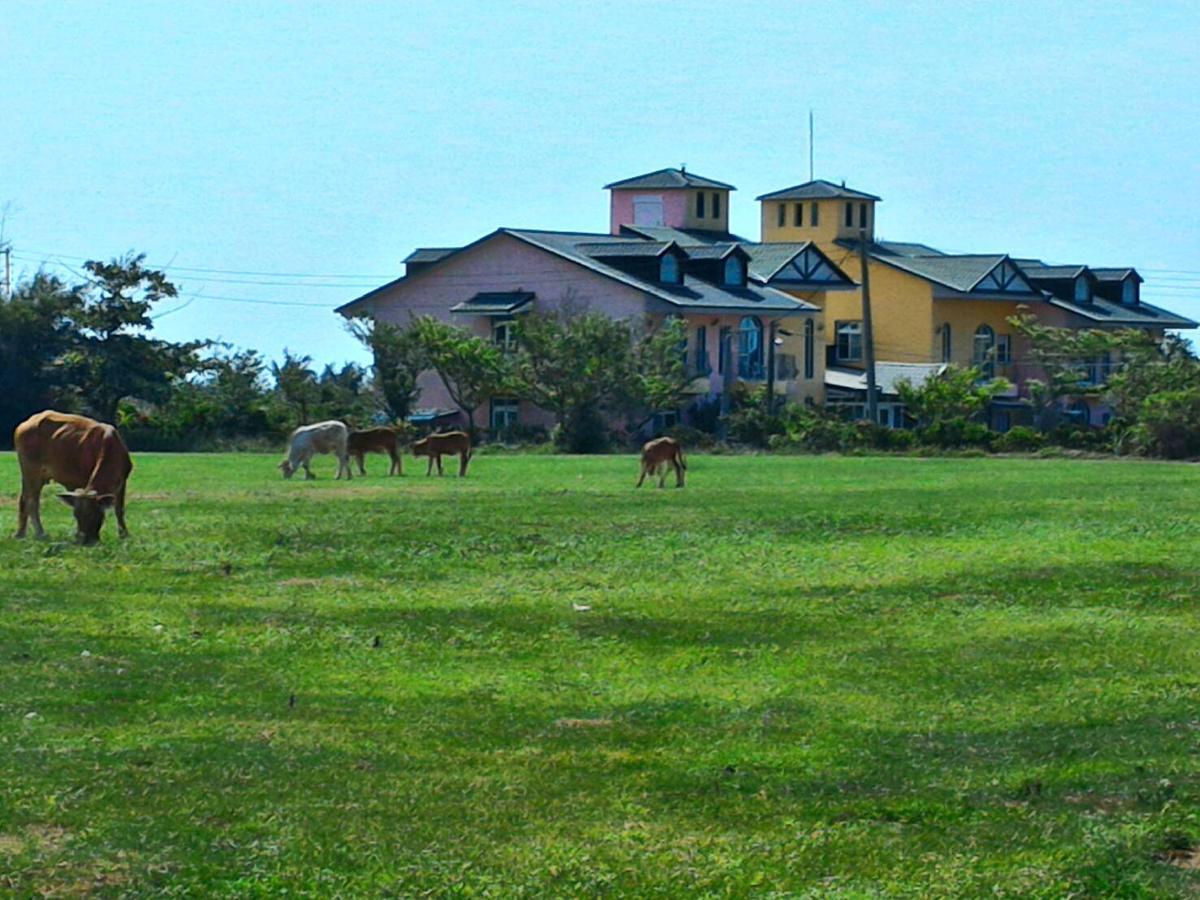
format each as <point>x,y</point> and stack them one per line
<point>296,386</point>
<point>660,359</point>
<point>36,329</point>
<point>577,367</point>
<point>113,356</point>
<point>956,394</point>
<point>473,370</point>
<point>400,358</point>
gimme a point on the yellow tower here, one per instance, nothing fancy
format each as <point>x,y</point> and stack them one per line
<point>817,211</point>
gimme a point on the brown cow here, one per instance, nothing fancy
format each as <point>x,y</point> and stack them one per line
<point>86,457</point>
<point>375,440</point>
<point>448,443</point>
<point>660,454</point>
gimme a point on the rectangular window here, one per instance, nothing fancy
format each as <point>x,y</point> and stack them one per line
<point>702,366</point>
<point>504,333</point>
<point>504,413</point>
<point>849,215</point>
<point>700,205</point>
<point>849,347</point>
<point>782,214</point>
<point>724,337</point>
<point>1004,349</point>
<point>862,215</point>
<point>798,220</point>
<point>716,205</point>
<point>814,218</point>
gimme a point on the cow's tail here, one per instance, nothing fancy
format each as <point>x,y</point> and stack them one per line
<point>682,462</point>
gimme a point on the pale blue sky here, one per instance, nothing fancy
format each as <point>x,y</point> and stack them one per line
<point>331,139</point>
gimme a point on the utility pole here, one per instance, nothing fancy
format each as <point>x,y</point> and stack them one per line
<point>771,367</point>
<point>868,331</point>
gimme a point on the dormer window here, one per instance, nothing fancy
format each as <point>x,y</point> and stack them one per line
<point>700,205</point>
<point>668,269</point>
<point>1083,290</point>
<point>735,272</point>
<point>1129,292</point>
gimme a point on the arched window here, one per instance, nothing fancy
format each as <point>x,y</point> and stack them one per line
<point>947,343</point>
<point>735,272</point>
<point>668,269</point>
<point>983,355</point>
<point>750,348</point>
<point>1083,290</point>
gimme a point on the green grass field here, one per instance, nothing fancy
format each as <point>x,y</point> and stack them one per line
<point>799,676</point>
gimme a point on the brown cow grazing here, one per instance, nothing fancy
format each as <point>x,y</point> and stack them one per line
<point>375,440</point>
<point>448,443</point>
<point>86,457</point>
<point>659,455</point>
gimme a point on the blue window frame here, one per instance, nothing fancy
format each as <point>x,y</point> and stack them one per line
<point>668,269</point>
<point>735,272</point>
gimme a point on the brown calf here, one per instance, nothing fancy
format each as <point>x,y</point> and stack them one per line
<point>660,454</point>
<point>449,443</point>
<point>86,457</point>
<point>375,440</point>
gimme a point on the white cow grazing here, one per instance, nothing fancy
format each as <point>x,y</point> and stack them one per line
<point>308,440</point>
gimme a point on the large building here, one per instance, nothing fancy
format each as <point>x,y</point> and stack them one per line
<point>790,301</point>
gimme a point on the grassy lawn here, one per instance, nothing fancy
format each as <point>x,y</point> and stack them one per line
<point>825,676</point>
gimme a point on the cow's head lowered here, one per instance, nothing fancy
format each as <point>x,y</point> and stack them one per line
<point>287,468</point>
<point>89,508</point>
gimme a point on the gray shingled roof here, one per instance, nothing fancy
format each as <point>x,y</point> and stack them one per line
<point>1036,270</point>
<point>961,273</point>
<point>767,259</point>
<point>905,248</point>
<point>627,248</point>
<point>1105,312</point>
<point>684,237</point>
<point>668,178</point>
<point>694,293</point>
<point>1116,274</point>
<point>711,251</point>
<point>817,190</point>
<point>428,254</point>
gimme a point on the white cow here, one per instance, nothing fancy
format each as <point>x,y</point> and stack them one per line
<point>308,440</point>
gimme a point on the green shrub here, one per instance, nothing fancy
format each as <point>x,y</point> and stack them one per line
<point>691,438</point>
<point>1169,424</point>
<point>1019,439</point>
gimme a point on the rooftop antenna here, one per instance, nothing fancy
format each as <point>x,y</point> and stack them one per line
<point>810,145</point>
<point>683,167</point>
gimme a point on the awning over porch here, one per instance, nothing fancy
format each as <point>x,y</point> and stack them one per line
<point>886,376</point>
<point>495,303</point>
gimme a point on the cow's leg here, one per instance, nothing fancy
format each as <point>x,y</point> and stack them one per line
<point>678,471</point>
<point>119,512</point>
<point>397,466</point>
<point>429,468</point>
<point>308,473</point>
<point>362,469</point>
<point>29,506</point>
<point>642,477</point>
<point>463,459</point>
<point>441,471</point>
<point>344,465</point>
<point>661,469</point>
